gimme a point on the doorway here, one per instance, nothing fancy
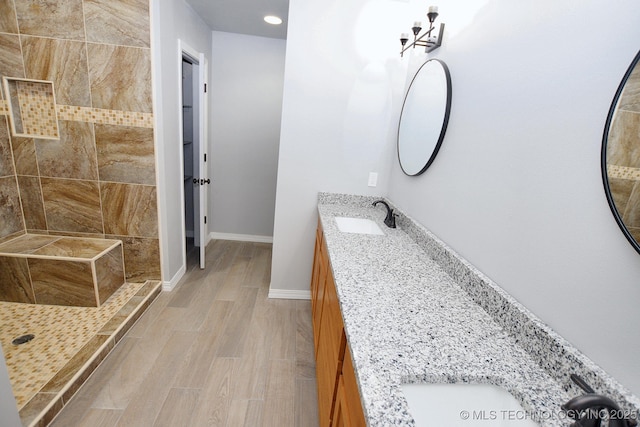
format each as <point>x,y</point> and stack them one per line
<point>195,181</point>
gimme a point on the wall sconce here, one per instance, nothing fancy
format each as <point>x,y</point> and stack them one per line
<point>427,40</point>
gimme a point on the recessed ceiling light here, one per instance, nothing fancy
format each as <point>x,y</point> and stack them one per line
<point>273,20</point>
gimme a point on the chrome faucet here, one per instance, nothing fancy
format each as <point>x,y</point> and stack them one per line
<point>390,220</point>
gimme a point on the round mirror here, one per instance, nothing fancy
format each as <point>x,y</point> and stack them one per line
<point>621,155</point>
<point>424,117</point>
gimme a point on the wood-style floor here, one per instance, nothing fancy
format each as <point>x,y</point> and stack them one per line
<point>213,352</point>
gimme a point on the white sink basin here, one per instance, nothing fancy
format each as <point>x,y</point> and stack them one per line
<point>464,405</point>
<point>357,225</point>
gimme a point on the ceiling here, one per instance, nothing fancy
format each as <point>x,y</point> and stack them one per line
<point>243,16</point>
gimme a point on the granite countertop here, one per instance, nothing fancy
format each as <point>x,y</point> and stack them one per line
<point>408,321</point>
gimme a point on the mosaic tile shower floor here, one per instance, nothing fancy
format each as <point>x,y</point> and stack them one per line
<point>60,332</point>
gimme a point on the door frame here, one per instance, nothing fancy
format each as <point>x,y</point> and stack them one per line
<point>197,58</point>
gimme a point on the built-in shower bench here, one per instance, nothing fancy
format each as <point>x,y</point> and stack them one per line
<point>60,270</point>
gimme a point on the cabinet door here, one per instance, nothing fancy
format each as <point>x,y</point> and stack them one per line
<point>338,396</point>
<point>315,274</point>
<point>351,393</point>
<point>319,307</point>
<point>340,413</point>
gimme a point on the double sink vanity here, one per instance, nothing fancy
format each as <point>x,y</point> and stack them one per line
<point>409,333</point>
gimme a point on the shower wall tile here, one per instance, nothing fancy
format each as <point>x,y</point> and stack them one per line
<point>129,209</point>
<point>58,282</point>
<point>109,273</point>
<point>124,22</point>
<point>11,64</point>
<point>625,130</point>
<point>26,244</point>
<point>72,156</point>
<point>97,54</point>
<point>6,155</point>
<point>141,258</point>
<point>24,156</point>
<point>10,212</point>
<point>120,77</point>
<point>15,285</point>
<point>8,22</point>
<point>52,18</point>
<point>64,62</point>
<point>72,205</point>
<point>32,204</point>
<point>74,248</point>
<point>125,154</point>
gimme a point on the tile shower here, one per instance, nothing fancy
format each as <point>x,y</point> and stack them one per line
<point>97,181</point>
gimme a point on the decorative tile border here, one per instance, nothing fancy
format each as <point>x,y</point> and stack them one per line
<point>623,172</point>
<point>106,117</point>
<point>96,115</point>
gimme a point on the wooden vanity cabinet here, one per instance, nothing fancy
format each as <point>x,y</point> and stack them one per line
<point>338,397</point>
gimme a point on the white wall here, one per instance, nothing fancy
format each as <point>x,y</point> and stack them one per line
<point>337,120</point>
<point>516,187</point>
<point>172,20</point>
<point>246,90</point>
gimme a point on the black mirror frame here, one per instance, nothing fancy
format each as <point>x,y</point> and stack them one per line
<point>603,155</point>
<point>445,120</point>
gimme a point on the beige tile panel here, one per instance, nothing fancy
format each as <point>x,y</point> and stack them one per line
<point>24,156</point>
<point>63,62</point>
<point>26,244</point>
<point>10,212</point>
<point>32,205</point>
<point>125,154</point>
<point>6,157</point>
<point>16,285</point>
<point>129,209</point>
<point>117,22</point>
<point>120,77</point>
<point>141,257</point>
<point>109,273</point>
<point>11,64</point>
<point>72,205</point>
<point>8,22</point>
<point>72,156</point>
<point>53,18</point>
<point>69,247</point>
<point>58,282</point>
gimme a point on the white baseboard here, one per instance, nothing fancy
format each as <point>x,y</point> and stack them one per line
<point>289,294</point>
<point>241,237</point>
<point>168,286</point>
